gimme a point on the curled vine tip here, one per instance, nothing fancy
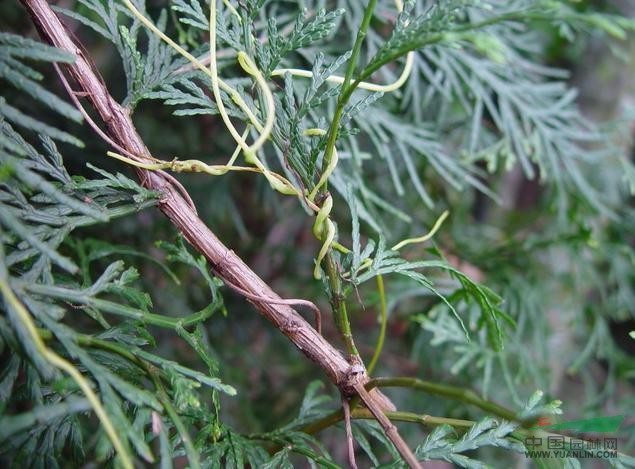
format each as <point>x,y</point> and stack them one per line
<point>364,85</point>
<point>324,230</point>
<point>424,238</point>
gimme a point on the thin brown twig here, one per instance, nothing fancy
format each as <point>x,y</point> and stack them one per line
<point>349,432</point>
<point>389,428</point>
<point>73,95</point>
<point>280,301</point>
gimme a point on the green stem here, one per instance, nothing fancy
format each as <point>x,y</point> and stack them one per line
<point>338,304</point>
<point>337,295</point>
<point>427,420</point>
<point>466,396</point>
<point>384,322</point>
<point>347,86</point>
<point>423,419</point>
<point>93,342</point>
<point>82,298</point>
<point>364,414</point>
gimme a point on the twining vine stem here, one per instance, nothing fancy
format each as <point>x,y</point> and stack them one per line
<point>227,265</point>
<point>338,299</point>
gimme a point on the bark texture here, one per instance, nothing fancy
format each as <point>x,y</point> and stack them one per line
<point>227,265</point>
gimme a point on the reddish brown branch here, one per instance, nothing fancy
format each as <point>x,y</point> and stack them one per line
<point>121,133</point>
<point>389,428</point>
<point>74,97</point>
<point>225,262</point>
<point>278,301</point>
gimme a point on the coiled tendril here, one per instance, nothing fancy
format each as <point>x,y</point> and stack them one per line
<point>323,227</point>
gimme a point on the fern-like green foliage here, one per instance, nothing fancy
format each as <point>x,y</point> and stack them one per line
<point>41,206</point>
<point>16,53</point>
<point>51,273</point>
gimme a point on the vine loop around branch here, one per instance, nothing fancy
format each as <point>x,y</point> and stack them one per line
<point>324,228</point>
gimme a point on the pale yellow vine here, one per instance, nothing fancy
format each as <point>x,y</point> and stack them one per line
<point>397,247</point>
<point>323,228</point>
<point>198,166</point>
<point>424,238</point>
<point>62,364</point>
